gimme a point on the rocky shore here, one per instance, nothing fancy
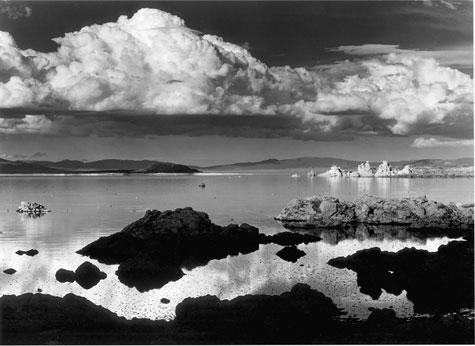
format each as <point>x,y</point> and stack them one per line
<point>413,213</point>
<point>301,316</point>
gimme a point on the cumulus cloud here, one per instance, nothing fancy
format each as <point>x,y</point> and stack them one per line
<point>15,10</point>
<point>422,142</point>
<point>29,124</point>
<point>153,66</point>
<point>458,56</point>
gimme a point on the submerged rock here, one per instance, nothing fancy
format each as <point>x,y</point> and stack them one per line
<point>152,250</point>
<point>31,252</point>
<point>419,212</point>
<point>290,253</point>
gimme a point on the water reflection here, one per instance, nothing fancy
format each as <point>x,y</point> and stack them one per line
<point>86,208</point>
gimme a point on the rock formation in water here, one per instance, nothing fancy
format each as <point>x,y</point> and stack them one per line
<point>152,250</point>
<point>31,252</point>
<point>385,170</point>
<point>288,238</point>
<point>365,170</point>
<point>436,282</point>
<point>323,211</point>
<point>290,253</point>
<point>32,208</point>
<point>87,275</point>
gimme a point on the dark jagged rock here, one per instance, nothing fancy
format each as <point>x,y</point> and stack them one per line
<point>9,271</point>
<point>288,238</point>
<point>32,252</point>
<point>435,282</point>
<point>300,316</point>
<point>63,275</point>
<point>152,250</point>
<point>290,253</point>
<point>88,275</point>
<point>322,211</point>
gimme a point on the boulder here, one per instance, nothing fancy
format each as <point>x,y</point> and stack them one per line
<point>63,275</point>
<point>9,271</point>
<point>31,252</point>
<point>418,212</point>
<point>290,253</point>
<point>88,275</point>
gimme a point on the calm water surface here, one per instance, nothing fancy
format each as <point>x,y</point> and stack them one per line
<point>87,207</point>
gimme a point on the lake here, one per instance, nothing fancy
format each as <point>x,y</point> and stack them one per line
<point>87,207</point>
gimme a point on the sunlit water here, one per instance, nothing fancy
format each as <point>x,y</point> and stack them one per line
<point>87,207</point>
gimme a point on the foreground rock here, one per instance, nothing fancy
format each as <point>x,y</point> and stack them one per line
<point>152,250</point>
<point>87,275</point>
<point>33,209</point>
<point>301,316</point>
<point>322,211</point>
<point>435,282</point>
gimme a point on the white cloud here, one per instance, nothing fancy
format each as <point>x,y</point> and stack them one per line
<point>29,124</point>
<point>455,56</point>
<point>436,143</point>
<point>152,63</point>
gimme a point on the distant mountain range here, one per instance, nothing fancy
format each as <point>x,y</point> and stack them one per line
<point>327,162</point>
<point>150,166</point>
<point>101,166</point>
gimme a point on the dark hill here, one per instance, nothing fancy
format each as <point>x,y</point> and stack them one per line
<point>167,167</point>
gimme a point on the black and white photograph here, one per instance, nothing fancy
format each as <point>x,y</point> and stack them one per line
<point>236,172</point>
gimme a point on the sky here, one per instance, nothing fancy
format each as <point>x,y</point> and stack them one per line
<point>205,83</point>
